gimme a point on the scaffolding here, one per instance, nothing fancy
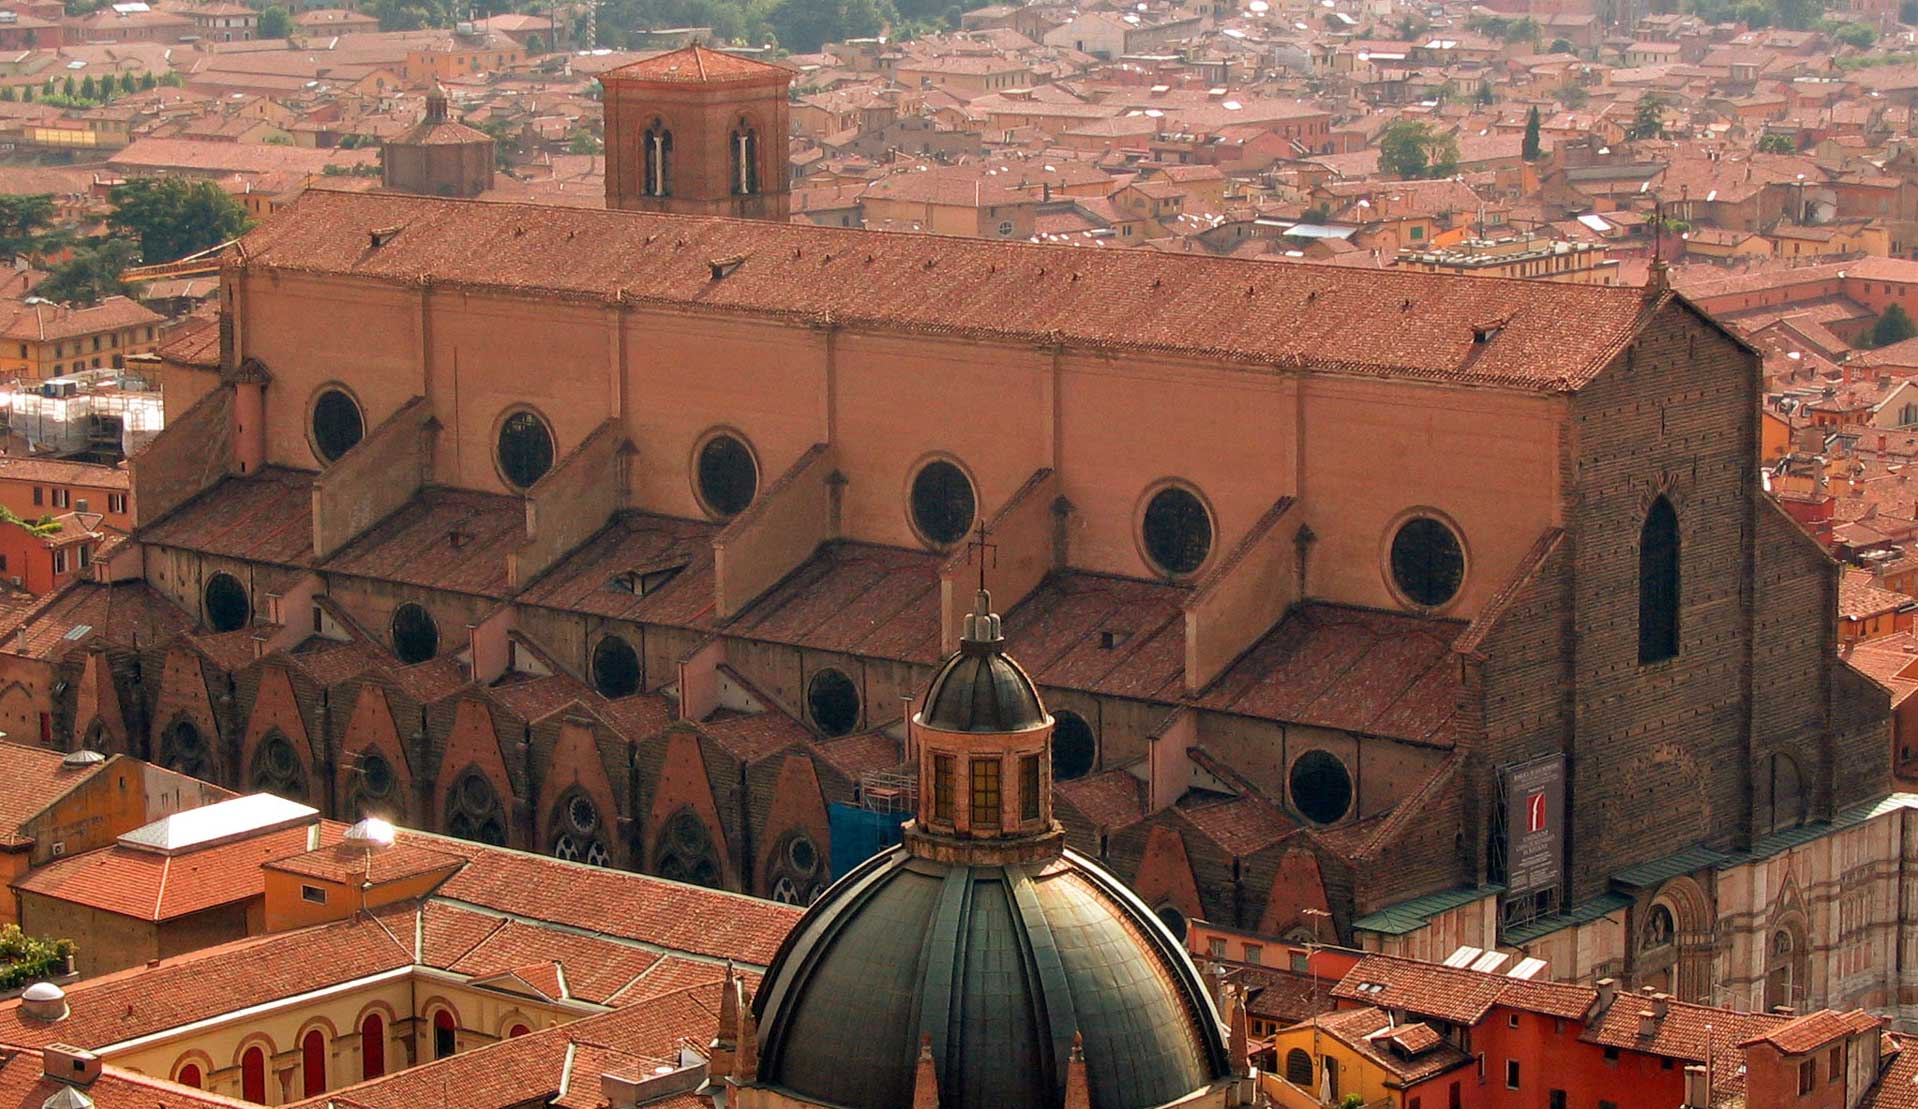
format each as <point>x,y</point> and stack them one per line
<point>107,411</point>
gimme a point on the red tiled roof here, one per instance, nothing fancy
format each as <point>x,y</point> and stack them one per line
<point>23,1083</point>
<point>531,1069</point>
<point>35,778</point>
<point>669,915</point>
<point>147,999</point>
<point>341,862</point>
<point>149,886</point>
<point>57,471</point>
<point>1353,669</point>
<point>267,517</point>
<point>696,63</point>
<point>1453,993</point>
<point>127,614</point>
<point>1555,337</point>
<point>452,539</point>
<point>1802,1035</point>
<point>1111,799</point>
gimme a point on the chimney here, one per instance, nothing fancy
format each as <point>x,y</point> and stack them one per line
<point>1607,993</point>
<point>1783,1011</point>
<point>73,1065</point>
<point>1647,1024</point>
<point>1661,1004</point>
<point>1698,1094</point>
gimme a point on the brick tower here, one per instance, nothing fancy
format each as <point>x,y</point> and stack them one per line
<point>698,132</point>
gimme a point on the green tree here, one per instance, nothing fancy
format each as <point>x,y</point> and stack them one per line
<point>583,142</point>
<point>1648,119</point>
<point>1485,92</point>
<point>128,84</point>
<point>275,23</point>
<point>1530,149</point>
<point>803,26</point>
<point>172,218</point>
<point>1856,34</point>
<point>92,274</point>
<point>70,88</point>
<point>1573,96</point>
<point>88,90</point>
<point>1317,213</point>
<point>1799,15</point>
<point>1894,326</point>
<point>535,44</point>
<point>49,88</point>
<point>7,93</point>
<point>24,958</point>
<point>1410,149</point>
<point>1908,11</point>
<point>148,80</point>
<point>26,93</point>
<point>1564,46</point>
<point>1773,142</point>
<point>21,220</point>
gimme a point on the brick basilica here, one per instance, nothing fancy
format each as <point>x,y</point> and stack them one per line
<point>1407,610</point>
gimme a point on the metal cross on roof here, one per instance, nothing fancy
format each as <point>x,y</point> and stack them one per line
<point>978,546</point>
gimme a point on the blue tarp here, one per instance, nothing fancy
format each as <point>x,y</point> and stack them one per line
<point>858,834</point>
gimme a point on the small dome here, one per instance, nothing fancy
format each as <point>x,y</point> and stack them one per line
<point>43,992</point>
<point>982,691</point>
<point>371,832</point>
<point>82,758</point>
<point>999,966</point>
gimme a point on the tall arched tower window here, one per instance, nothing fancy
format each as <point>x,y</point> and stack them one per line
<point>657,149</point>
<point>745,155</point>
<point>1658,580</point>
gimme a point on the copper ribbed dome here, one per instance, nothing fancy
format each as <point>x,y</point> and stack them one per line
<point>999,966</point>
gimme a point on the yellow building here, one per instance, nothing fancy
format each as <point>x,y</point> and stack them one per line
<point>1539,259</point>
<point>1328,1058</point>
<point>49,340</point>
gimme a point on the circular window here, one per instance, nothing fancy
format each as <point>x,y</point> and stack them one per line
<point>834,702</point>
<point>1005,227</point>
<point>474,812</point>
<point>1321,789</point>
<point>277,769</point>
<point>183,748</point>
<point>728,476</point>
<point>1074,747</point>
<point>615,668</point>
<point>415,637</point>
<point>227,607</point>
<point>376,774</point>
<point>942,503</point>
<point>525,449</point>
<point>1177,530</point>
<point>1173,919</point>
<point>337,424</point>
<point>1428,565</point>
<point>802,854</point>
<point>581,814</point>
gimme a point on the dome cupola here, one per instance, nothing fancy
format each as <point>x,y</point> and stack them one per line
<point>980,964</point>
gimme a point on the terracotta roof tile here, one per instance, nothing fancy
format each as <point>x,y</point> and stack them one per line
<point>669,915</point>
<point>146,999</point>
<point>452,539</point>
<point>145,885</point>
<point>696,63</point>
<point>35,778</point>
<point>1555,337</point>
<point>1802,1035</point>
<point>1111,799</point>
<point>23,1083</point>
<point>267,517</point>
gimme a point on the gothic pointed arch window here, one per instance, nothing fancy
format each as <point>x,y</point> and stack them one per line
<point>656,151</point>
<point>277,768</point>
<point>579,831</point>
<point>686,852</point>
<point>1658,583</point>
<point>473,810</point>
<point>183,748</point>
<point>744,146</point>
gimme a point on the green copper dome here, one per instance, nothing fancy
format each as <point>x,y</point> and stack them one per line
<point>998,966</point>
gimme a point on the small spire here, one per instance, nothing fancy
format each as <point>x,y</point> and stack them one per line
<point>1241,1043</point>
<point>1078,1091</point>
<point>925,1081</point>
<point>983,630</point>
<point>746,1048</point>
<point>436,104</point>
